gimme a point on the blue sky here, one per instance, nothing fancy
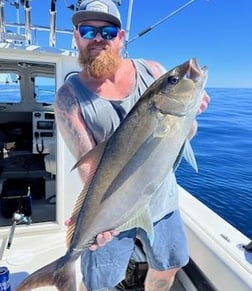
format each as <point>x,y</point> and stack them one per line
<point>217,32</point>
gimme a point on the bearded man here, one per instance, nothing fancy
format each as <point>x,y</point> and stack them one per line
<point>88,108</point>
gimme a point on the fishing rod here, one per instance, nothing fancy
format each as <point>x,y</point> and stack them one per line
<point>148,29</point>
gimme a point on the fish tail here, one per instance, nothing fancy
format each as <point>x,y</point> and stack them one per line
<point>58,273</point>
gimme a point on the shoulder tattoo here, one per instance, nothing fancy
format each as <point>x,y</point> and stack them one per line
<point>66,99</point>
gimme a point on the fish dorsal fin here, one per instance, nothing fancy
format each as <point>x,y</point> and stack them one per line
<point>87,157</point>
<point>143,220</point>
<point>91,159</point>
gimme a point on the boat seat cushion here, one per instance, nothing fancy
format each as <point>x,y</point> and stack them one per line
<point>50,160</point>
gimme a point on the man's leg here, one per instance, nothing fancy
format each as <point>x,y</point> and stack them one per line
<point>106,266</point>
<point>82,287</point>
<point>159,280</point>
<point>167,254</point>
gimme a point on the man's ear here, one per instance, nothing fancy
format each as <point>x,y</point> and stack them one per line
<point>76,36</point>
<point>122,34</point>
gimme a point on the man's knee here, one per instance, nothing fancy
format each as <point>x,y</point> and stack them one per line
<point>160,280</point>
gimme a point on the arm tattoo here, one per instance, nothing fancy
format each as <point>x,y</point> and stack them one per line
<point>70,122</point>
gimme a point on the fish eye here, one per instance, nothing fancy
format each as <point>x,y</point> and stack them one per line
<point>173,80</point>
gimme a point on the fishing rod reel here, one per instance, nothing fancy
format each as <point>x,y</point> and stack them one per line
<point>21,215</point>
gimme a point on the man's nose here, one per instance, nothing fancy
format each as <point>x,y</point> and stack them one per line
<point>98,37</point>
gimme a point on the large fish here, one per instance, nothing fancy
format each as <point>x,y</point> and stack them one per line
<point>129,167</point>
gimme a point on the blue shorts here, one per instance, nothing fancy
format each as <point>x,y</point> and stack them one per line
<point>106,267</point>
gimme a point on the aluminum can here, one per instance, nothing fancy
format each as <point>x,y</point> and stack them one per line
<point>4,279</point>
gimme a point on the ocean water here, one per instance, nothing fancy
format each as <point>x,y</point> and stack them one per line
<point>223,150</point>
<point>10,93</point>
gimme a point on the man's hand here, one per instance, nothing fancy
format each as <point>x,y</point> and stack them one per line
<point>101,239</point>
<point>203,107</point>
<point>204,104</point>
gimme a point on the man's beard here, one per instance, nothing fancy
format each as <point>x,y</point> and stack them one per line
<point>100,66</point>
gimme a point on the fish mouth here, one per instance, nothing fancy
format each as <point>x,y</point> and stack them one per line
<point>198,75</point>
<point>194,71</point>
<point>193,81</point>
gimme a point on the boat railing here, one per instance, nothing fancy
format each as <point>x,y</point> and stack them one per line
<point>26,34</point>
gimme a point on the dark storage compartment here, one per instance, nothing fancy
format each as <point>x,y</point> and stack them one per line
<point>18,133</point>
<point>15,195</point>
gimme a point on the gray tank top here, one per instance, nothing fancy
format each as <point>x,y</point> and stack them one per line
<point>102,118</point>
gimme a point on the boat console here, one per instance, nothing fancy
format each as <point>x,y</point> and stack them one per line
<point>27,139</point>
<point>43,132</point>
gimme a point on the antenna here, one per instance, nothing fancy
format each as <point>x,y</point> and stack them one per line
<point>52,23</point>
<point>27,21</point>
<point>2,24</point>
<point>128,28</point>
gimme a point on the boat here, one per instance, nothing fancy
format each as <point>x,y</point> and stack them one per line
<point>38,190</point>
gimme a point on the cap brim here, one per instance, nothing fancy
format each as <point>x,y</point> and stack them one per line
<point>81,16</point>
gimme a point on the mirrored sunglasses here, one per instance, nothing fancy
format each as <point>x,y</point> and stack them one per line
<point>90,32</point>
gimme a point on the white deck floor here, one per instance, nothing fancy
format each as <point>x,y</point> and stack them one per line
<point>30,252</point>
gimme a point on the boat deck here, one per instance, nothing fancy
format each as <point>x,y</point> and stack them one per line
<point>30,252</point>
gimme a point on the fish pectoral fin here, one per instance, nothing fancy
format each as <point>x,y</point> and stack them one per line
<point>189,156</point>
<point>187,153</point>
<point>143,220</point>
<point>86,158</point>
<point>162,128</point>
